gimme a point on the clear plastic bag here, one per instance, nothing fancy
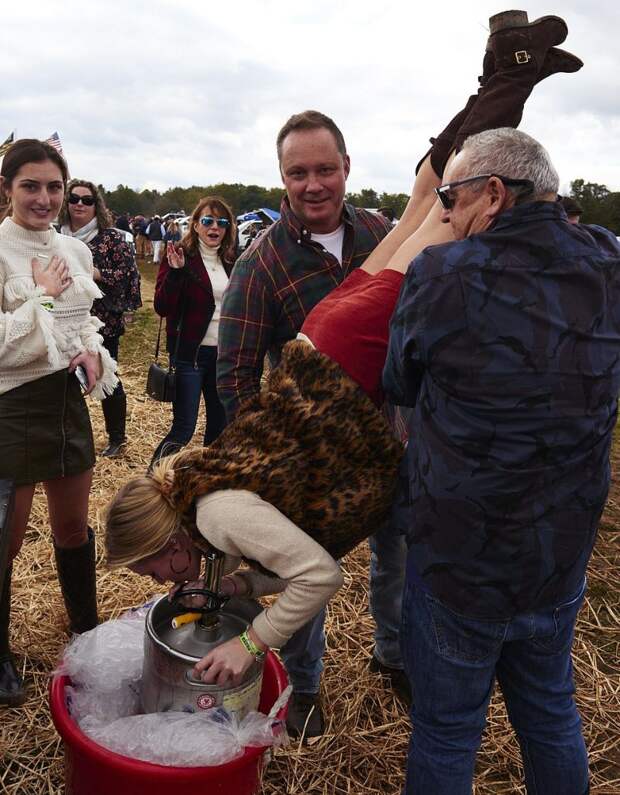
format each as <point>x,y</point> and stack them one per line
<point>187,740</point>
<point>105,668</point>
<point>108,656</point>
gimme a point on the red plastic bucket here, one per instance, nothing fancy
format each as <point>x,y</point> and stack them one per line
<point>91,769</point>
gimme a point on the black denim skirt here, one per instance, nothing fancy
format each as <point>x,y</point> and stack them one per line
<point>45,430</point>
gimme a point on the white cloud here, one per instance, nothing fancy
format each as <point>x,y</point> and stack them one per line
<point>164,93</point>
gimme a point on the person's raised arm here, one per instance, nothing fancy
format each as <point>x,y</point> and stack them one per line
<point>170,281</point>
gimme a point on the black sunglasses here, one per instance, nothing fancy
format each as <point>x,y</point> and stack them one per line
<point>87,201</point>
<point>207,220</point>
<point>447,201</point>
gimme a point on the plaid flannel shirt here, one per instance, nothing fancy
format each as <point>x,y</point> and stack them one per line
<point>272,288</point>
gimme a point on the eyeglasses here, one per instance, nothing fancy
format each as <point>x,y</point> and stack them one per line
<point>88,201</point>
<point>207,220</point>
<point>447,200</point>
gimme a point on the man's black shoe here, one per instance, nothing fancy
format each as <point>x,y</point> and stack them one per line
<point>11,686</point>
<point>398,679</point>
<point>304,715</point>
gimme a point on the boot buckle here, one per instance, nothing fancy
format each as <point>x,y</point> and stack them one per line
<point>522,56</point>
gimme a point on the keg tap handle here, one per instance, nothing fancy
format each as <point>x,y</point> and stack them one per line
<point>214,563</point>
<point>214,601</point>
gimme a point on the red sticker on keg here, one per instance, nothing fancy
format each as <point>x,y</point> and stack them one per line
<point>205,701</point>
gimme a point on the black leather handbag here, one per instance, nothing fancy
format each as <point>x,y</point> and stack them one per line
<point>161,381</point>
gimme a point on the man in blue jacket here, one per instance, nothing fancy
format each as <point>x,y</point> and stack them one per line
<point>507,344</point>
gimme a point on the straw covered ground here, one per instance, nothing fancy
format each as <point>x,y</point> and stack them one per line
<point>363,751</point>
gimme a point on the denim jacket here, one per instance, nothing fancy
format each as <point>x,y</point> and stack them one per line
<point>507,344</point>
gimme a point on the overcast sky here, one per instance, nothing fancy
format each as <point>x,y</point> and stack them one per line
<point>183,92</point>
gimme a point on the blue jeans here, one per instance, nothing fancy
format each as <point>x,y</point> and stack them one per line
<point>452,662</point>
<point>302,655</point>
<point>194,380</point>
<point>388,556</point>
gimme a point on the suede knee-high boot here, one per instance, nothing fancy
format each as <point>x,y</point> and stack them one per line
<point>483,111</point>
<point>519,55</point>
<point>11,686</point>
<point>77,576</point>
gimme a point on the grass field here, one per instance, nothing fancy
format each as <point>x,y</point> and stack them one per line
<point>363,751</point>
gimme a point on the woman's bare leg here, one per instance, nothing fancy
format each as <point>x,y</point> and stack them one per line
<point>22,506</point>
<point>419,205</point>
<point>67,500</point>
<point>429,232</point>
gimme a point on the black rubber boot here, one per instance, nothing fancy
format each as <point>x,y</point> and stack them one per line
<point>78,582</point>
<point>115,416</point>
<point>12,692</point>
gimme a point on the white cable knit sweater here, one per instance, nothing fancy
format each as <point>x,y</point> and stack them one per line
<point>35,342</point>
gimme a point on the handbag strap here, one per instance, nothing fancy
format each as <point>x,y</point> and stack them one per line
<point>161,320</point>
<point>179,327</point>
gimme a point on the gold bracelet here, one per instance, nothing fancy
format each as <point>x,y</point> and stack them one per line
<point>251,647</point>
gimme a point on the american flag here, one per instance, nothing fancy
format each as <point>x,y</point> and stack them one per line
<point>54,140</point>
<point>6,144</point>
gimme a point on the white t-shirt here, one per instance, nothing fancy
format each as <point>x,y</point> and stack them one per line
<point>332,241</point>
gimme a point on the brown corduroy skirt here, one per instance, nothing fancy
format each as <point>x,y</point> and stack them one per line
<point>45,430</point>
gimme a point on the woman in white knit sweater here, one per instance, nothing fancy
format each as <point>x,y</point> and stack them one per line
<point>48,339</point>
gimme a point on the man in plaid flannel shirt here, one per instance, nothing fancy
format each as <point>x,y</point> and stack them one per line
<point>317,242</point>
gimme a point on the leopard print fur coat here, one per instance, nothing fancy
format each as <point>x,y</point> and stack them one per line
<point>312,444</point>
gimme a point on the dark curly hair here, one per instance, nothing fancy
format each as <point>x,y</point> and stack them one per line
<point>103,215</point>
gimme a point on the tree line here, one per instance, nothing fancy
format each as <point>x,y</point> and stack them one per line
<point>600,205</point>
<point>241,198</point>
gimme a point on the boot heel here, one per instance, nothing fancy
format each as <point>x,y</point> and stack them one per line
<point>507,19</point>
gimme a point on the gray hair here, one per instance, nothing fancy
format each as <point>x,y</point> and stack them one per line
<point>511,153</point>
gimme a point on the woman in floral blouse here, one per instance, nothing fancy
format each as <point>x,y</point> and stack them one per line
<point>84,215</point>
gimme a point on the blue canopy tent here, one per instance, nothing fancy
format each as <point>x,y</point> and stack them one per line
<point>262,214</point>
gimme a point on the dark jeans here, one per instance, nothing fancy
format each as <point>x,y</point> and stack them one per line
<point>452,663</point>
<point>194,380</point>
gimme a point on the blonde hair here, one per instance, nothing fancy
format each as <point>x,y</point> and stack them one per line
<point>141,520</point>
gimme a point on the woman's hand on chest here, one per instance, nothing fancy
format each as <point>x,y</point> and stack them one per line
<point>53,278</point>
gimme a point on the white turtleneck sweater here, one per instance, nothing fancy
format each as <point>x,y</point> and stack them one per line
<point>219,282</point>
<point>35,341</point>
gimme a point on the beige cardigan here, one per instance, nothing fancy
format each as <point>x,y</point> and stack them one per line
<point>241,524</point>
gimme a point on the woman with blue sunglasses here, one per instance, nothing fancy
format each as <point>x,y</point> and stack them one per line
<point>191,281</point>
